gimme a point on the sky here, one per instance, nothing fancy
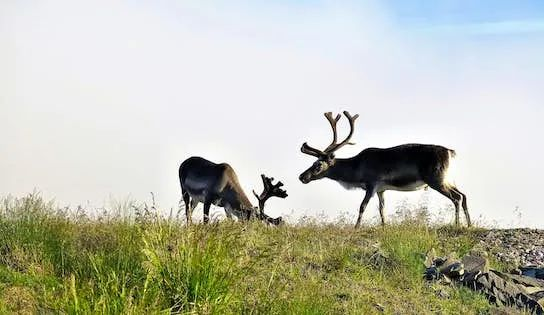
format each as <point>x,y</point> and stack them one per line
<point>101,101</point>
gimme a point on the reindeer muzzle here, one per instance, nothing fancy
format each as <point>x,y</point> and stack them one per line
<point>304,179</point>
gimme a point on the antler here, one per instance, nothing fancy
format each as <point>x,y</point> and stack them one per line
<point>311,151</point>
<point>332,122</point>
<point>269,190</point>
<point>334,144</point>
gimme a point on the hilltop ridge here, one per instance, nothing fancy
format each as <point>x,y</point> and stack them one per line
<point>54,260</point>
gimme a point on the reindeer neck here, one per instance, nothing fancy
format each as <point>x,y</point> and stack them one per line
<point>240,199</point>
<point>343,170</point>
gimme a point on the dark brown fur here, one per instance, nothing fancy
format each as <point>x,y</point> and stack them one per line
<point>210,183</point>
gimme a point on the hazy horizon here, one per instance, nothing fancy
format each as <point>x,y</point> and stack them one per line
<point>107,98</point>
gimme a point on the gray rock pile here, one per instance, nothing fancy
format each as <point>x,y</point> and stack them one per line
<point>524,292</point>
<point>520,247</point>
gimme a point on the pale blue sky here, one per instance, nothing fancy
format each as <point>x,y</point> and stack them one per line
<point>103,99</point>
<point>460,12</point>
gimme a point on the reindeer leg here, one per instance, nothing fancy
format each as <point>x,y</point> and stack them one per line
<point>381,205</point>
<point>188,206</point>
<point>452,195</point>
<point>228,213</point>
<point>464,204</point>
<point>457,200</point>
<point>369,193</point>
<point>207,205</point>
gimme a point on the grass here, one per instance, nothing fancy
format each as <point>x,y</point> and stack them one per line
<point>58,261</point>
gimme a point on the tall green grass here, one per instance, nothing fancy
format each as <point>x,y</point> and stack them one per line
<point>55,260</point>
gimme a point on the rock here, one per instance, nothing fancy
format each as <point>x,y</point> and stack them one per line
<point>379,307</point>
<point>533,272</point>
<point>515,246</point>
<point>474,266</point>
<point>443,269</point>
<point>521,291</point>
<point>455,270</point>
<point>431,273</point>
<point>475,263</point>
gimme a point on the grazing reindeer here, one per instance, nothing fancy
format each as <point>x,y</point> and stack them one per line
<point>406,167</point>
<point>210,183</point>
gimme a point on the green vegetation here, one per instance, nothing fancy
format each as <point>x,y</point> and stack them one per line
<point>56,261</point>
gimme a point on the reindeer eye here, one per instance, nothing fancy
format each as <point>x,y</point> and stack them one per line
<point>319,167</point>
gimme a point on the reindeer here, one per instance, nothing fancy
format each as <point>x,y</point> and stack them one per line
<point>406,167</point>
<point>210,183</point>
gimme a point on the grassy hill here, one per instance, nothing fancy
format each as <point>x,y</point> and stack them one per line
<point>54,260</point>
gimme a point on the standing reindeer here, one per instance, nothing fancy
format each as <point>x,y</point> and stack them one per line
<point>210,183</point>
<point>406,167</point>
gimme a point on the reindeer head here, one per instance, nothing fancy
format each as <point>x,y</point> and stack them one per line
<point>275,221</point>
<point>326,158</point>
<point>269,190</point>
